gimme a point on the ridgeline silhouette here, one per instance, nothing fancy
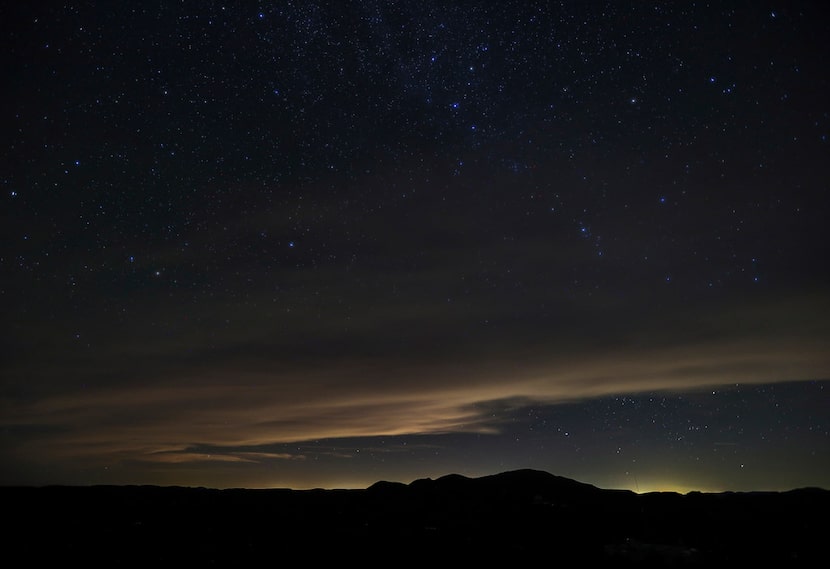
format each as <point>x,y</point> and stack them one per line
<point>518,516</point>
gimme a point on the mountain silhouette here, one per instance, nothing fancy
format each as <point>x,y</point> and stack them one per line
<point>511,517</point>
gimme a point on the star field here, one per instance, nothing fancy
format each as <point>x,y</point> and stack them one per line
<point>568,235</point>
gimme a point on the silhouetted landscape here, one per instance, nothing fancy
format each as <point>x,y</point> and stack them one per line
<point>524,515</point>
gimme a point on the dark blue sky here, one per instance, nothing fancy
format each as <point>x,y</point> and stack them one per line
<point>320,244</point>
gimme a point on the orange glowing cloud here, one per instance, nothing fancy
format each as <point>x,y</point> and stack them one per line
<point>162,420</point>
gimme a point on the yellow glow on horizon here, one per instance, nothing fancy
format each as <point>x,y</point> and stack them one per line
<point>305,485</point>
<point>670,486</point>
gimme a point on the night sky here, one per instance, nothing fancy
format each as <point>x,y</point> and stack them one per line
<point>302,244</point>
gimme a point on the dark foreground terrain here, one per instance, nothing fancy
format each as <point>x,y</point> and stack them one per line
<point>512,518</point>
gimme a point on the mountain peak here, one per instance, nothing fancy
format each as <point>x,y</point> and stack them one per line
<point>524,484</point>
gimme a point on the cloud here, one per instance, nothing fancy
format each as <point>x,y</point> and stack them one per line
<point>175,457</point>
<point>221,399</point>
<point>243,405</point>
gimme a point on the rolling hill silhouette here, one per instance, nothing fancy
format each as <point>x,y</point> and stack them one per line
<point>517,516</point>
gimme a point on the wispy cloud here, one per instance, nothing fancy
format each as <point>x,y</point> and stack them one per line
<point>241,407</point>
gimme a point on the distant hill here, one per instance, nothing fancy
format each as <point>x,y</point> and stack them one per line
<point>518,516</point>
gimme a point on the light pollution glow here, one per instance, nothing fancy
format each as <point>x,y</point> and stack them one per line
<point>160,422</point>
